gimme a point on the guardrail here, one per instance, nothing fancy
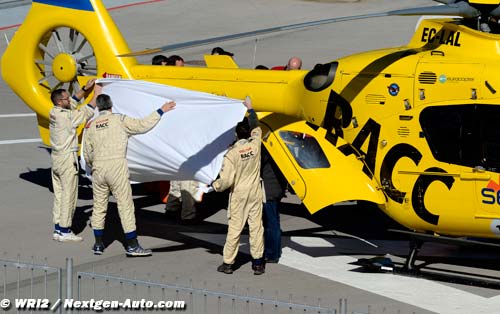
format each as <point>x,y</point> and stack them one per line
<point>30,280</point>
<point>197,300</point>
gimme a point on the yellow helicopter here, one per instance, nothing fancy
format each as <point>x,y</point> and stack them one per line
<point>412,129</point>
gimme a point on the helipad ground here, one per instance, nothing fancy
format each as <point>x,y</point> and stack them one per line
<point>318,250</point>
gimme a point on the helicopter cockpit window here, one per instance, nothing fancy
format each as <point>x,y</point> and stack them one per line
<point>320,77</point>
<point>305,149</point>
<point>466,135</point>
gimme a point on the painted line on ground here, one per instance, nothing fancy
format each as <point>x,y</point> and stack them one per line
<point>422,293</point>
<point>26,140</point>
<point>17,115</point>
<point>134,4</point>
<point>109,9</point>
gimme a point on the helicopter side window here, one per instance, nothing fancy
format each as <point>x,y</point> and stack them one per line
<point>305,149</point>
<point>451,132</point>
<point>466,135</point>
<point>490,137</point>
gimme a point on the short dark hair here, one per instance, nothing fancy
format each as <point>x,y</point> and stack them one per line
<point>56,95</point>
<point>104,102</point>
<point>174,58</point>
<point>243,129</point>
<point>220,51</point>
<point>158,59</point>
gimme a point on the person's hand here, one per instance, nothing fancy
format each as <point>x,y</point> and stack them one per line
<point>169,105</point>
<point>89,85</point>
<point>248,102</point>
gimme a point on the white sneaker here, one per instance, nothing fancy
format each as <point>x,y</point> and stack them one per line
<point>56,235</point>
<point>69,237</point>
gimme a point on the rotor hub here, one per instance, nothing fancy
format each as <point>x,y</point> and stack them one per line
<point>64,67</point>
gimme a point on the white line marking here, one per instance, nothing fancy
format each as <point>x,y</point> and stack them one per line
<point>27,140</point>
<point>17,115</point>
<point>422,293</point>
<point>419,292</point>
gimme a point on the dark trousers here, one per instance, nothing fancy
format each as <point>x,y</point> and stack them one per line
<point>272,230</point>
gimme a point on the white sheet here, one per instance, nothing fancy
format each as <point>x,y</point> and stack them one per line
<point>188,143</point>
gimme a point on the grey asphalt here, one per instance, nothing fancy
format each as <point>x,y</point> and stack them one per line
<point>182,253</point>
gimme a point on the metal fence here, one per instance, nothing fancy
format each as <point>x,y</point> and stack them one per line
<point>21,280</point>
<point>197,300</point>
<point>30,280</point>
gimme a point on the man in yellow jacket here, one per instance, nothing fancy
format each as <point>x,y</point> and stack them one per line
<point>241,173</point>
<point>105,150</point>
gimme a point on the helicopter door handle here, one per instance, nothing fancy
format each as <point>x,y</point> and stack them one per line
<point>437,53</point>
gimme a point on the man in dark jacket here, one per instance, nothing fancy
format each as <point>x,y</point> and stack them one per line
<point>274,186</point>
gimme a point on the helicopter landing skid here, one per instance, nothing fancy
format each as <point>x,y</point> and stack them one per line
<point>418,239</point>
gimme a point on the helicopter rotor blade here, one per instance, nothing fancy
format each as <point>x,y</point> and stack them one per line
<point>462,9</point>
<point>445,1</point>
<point>496,12</point>
<point>250,34</point>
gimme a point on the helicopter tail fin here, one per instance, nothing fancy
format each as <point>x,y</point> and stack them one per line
<point>60,43</point>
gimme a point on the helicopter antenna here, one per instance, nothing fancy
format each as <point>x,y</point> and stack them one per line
<point>254,52</point>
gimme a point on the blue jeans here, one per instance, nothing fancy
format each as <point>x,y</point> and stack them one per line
<point>272,230</point>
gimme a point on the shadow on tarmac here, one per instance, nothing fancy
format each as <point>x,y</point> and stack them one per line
<point>354,230</point>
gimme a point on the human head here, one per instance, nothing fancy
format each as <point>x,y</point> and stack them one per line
<point>159,60</point>
<point>295,63</point>
<point>220,51</point>
<point>243,129</point>
<point>104,102</point>
<point>60,97</point>
<point>175,60</point>
<point>261,67</point>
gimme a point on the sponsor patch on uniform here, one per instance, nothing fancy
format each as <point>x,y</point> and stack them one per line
<point>101,124</point>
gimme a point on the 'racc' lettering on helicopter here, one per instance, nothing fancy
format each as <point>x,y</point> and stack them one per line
<point>443,37</point>
<point>391,158</point>
<point>419,189</point>
<point>334,125</point>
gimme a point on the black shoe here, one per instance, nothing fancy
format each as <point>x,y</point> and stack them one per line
<point>272,261</point>
<point>225,268</point>
<point>98,248</point>
<point>137,251</point>
<point>258,269</point>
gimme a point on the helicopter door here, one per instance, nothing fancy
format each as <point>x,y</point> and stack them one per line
<point>443,81</point>
<point>317,171</point>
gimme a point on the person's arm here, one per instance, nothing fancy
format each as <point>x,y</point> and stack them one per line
<point>85,112</point>
<point>138,126</point>
<point>253,121</point>
<point>88,150</point>
<point>79,95</point>
<point>226,175</point>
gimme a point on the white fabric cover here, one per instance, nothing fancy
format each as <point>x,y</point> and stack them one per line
<point>188,143</point>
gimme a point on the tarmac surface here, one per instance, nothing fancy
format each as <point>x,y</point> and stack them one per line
<point>318,250</point>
